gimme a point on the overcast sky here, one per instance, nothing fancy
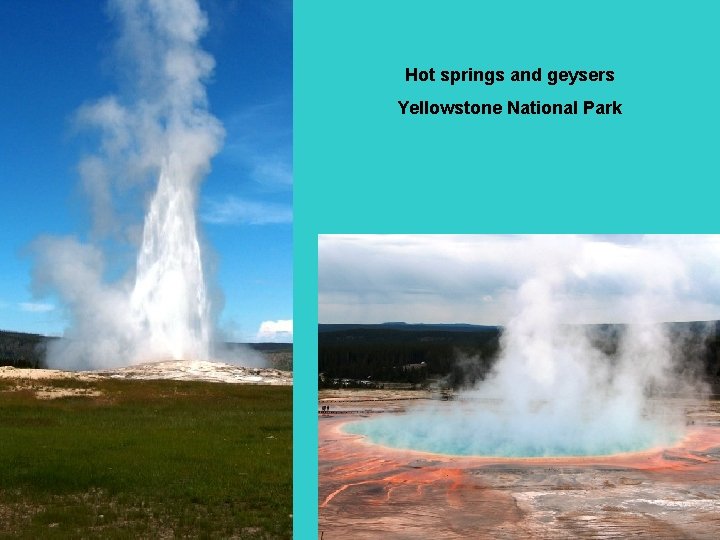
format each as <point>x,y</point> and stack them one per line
<point>476,278</point>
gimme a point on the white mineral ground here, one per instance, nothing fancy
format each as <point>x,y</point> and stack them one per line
<point>176,370</point>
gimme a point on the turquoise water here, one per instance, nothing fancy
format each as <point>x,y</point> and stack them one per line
<point>486,434</point>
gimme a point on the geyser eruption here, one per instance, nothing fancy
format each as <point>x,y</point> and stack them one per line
<point>156,138</point>
<point>169,301</point>
<point>553,391</point>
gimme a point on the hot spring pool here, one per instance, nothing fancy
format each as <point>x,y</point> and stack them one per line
<point>489,434</point>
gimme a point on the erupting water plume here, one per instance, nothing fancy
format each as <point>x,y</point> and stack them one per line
<point>169,300</point>
<point>157,134</point>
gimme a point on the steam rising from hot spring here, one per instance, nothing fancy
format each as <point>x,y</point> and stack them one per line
<point>156,141</point>
<point>552,391</point>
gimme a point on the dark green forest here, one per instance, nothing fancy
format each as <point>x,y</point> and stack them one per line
<point>457,356</point>
<point>406,355</point>
<point>23,350</point>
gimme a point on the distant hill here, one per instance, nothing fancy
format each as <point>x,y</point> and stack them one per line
<point>24,350</point>
<point>461,354</point>
<point>270,347</point>
<point>407,333</point>
<point>277,355</point>
<point>409,327</point>
<point>409,353</point>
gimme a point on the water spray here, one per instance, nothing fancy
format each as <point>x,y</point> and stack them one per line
<point>157,137</point>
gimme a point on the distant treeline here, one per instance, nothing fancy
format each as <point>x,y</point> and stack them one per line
<point>22,350</point>
<point>406,353</point>
<point>461,355</point>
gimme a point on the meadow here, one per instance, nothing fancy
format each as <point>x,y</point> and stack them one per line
<point>145,459</point>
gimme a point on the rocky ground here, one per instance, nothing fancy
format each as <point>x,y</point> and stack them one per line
<point>181,370</point>
<point>369,491</point>
<point>199,370</point>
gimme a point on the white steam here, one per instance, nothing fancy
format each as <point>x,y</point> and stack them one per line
<point>552,391</point>
<point>157,139</point>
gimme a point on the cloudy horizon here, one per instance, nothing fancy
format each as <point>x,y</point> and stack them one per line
<point>474,279</point>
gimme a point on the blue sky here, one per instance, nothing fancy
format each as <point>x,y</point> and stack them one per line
<point>58,56</point>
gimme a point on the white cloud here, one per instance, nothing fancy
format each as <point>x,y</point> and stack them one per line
<point>475,278</point>
<point>269,170</point>
<point>260,142</point>
<point>235,211</point>
<point>34,307</point>
<point>275,331</point>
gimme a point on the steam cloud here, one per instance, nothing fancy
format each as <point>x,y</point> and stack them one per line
<point>156,140</point>
<point>552,392</point>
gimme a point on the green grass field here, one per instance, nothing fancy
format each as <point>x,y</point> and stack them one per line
<point>146,459</point>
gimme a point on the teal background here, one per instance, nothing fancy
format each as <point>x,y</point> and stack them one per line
<point>362,167</point>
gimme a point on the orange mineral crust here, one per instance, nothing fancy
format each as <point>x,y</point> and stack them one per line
<point>371,491</point>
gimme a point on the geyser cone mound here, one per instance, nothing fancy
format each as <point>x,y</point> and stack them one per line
<point>177,370</point>
<point>201,370</point>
